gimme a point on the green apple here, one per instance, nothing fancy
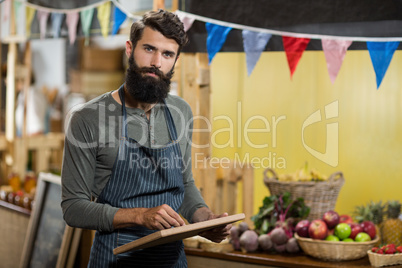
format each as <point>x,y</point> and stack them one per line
<point>332,238</point>
<point>342,230</point>
<point>348,240</point>
<point>362,237</point>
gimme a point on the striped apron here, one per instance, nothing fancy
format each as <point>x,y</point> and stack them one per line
<point>141,177</point>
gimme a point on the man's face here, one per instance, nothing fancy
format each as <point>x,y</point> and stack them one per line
<point>151,66</point>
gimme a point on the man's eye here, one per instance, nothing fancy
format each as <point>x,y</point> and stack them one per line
<point>149,49</point>
<point>168,54</point>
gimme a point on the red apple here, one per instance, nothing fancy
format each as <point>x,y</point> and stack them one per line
<point>369,228</point>
<point>345,219</point>
<point>318,229</point>
<point>356,228</point>
<point>331,218</point>
<point>302,228</point>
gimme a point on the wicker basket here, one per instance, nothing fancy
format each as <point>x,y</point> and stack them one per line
<point>319,196</point>
<point>335,251</point>
<point>379,260</point>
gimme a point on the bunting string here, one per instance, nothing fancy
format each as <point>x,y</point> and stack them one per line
<point>284,33</point>
<point>381,49</point>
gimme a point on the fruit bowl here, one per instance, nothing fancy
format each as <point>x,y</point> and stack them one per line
<point>379,260</point>
<point>334,250</point>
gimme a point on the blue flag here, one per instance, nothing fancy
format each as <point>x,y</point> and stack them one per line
<point>57,19</point>
<point>254,43</point>
<point>119,18</point>
<point>381,55</point>
<point>216,38</point>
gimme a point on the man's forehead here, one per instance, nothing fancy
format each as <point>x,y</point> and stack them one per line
<point>157,39</point>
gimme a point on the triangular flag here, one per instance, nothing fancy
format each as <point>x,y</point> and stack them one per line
<point>216,38</point>
<point>294,48</point>
<point>334,51</point>
<point>17,12</point>
<point>119,18</point>
<point>186,20</point>
<point>104,17</point>
<point>72,21</point>
<point>30,14</point>
<point>7,8</point>
<point>57,19</point>
<point>86,16</point>
<point>381,55</point>
<point>254,43</point>
<point>42,18</point>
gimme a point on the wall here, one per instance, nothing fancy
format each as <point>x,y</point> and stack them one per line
<point>368,122</point>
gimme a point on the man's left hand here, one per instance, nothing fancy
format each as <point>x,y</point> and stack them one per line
<point>217,234</point>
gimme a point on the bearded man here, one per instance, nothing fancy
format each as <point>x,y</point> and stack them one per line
<point>130,151</point>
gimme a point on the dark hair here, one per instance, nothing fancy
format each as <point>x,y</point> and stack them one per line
<point>165,22</point>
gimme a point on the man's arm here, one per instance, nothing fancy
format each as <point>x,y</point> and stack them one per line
<point>78,178</point>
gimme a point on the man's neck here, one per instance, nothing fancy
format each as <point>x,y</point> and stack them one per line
<point>133,103</point>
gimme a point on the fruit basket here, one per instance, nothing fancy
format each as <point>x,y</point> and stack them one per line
<point>333,250</point>
<point>320,196</point>
<point>379,260</point>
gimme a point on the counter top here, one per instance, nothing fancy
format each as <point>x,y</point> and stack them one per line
<point>299,260</point>
<point>16,208</point>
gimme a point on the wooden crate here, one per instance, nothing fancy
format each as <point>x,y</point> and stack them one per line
<point>95,83</point>
<point>101,60</point>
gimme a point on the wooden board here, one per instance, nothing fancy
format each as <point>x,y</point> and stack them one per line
<point>177,233</point>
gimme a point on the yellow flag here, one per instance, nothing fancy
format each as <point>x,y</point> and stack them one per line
<point>30,13</point>
<point>104,17</point>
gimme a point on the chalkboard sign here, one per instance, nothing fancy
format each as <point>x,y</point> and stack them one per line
<point>47,232</point>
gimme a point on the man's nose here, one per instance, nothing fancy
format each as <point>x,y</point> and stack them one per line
<point>156,60</point>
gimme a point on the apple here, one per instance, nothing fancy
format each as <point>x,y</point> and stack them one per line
<point>345,218</point>
<point>362,237</point>
<point>302,228</point>
<point>332,238</point>
<point>331,218</point>
<point>369,228</point>
<point>318,229</point>
<point>342,230</point>
<point>356,228</point>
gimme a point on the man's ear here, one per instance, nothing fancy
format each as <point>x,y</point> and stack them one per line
<point>129,48</point>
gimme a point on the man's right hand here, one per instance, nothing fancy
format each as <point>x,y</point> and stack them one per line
<point>156,218</point>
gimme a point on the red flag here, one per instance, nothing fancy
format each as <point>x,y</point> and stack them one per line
<point>294,48</point>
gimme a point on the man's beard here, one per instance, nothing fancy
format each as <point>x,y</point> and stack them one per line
<point>145,88</point>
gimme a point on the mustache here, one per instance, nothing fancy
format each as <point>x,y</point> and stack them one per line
<point>153,70</point>
<point>143,70</point>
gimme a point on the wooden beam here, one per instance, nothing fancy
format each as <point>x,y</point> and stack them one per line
<point>10,95</point>
<point>159,4</point>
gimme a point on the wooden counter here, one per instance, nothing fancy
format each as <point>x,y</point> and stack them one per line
<point>13,229</point>
<point>198,258</point>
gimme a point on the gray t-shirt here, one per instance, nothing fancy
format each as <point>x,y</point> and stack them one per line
<point>91,147</point>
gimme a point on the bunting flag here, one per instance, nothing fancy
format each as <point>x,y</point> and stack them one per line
<point>334,51</point>
<point>381,54</point>
<point>57,19</point>
<point>104,18</point>
<point>186,20</point>
<point>119,18</point>
<point>30,14</point>
<point>72,21</point>
<point>86,21</point>
<point>255,39</point>
<point>7,8</point>
<point>294,48</point>
<point>42,18</point>
<point>216,38</point>
<point>254,43</point>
